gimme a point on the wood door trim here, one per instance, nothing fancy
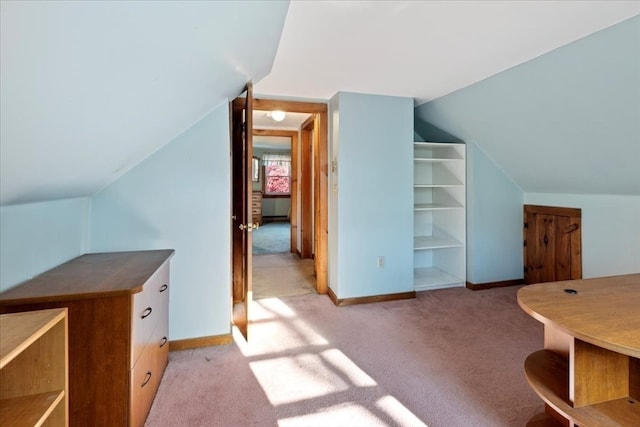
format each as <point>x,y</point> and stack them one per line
<point>305,188</point>
<point>289,106</point>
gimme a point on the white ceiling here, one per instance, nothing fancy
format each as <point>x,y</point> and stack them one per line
<point>422,49</point>
<point>91,88</point>
<point>292,121</point>
<point>272,143</point>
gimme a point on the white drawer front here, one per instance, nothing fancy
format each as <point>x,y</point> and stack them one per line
<point>150,308</point>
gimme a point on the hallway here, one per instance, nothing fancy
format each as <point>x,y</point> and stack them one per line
<point>282,274</point>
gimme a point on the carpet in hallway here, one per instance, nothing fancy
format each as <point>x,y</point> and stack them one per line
<point>283,274</point>
<point>272,237</point>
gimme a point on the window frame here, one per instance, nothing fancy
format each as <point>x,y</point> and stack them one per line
<point>264,184</point>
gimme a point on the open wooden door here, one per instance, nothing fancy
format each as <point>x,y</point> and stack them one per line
<point>242,225</point>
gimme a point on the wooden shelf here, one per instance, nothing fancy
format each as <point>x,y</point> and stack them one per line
<point>31,410</point>
<point>33,368</point>
<point>544,420</point>
<point>548,375</point>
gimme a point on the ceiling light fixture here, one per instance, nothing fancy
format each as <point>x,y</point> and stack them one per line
<point>278,115</point>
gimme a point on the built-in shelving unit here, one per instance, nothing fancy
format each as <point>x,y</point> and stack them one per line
<point>34,368</point>
<point>439,215</point>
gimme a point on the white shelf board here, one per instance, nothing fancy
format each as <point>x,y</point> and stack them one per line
<point>436,159</point>
<point>435,242</point>
<point>455,184</point>
<point>433,278</point>
<point>435,206</point>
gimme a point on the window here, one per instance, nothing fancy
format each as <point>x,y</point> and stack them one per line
<point>277,174</point>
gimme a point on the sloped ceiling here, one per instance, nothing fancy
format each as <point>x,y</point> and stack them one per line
<point>91,88</point>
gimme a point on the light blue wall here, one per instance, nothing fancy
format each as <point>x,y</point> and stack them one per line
<point>373,189</point>
<point>494,221</point>
<point>610,230</point>
<point>39,236</point>
<point>179,198</point>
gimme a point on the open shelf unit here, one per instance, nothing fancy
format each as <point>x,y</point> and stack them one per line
<point>439,228</point>
<point>548,375</point>
<point>34,368</point>
<point>588,373</point>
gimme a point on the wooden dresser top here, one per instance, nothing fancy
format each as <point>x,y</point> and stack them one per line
<point>603,311</point>
<point>89,276</point>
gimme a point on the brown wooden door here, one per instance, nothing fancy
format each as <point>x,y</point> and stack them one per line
<point>242,191</point>
<point>552,244</point>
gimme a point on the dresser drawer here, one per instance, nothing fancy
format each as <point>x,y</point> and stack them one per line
<point>142,388</point>
<point>150,308</point>
<point>147,373</point>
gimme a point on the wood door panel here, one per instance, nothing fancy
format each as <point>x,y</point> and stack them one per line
<point>552,244</point>
<point>546,239</point>
<point>563,249</point>
<point>242,193</point>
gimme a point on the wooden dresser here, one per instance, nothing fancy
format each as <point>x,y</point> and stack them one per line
<point>256,207</point>
<point>118,313</point>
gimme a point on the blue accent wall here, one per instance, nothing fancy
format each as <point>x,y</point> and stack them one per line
<point>36,237</point>
<point>371,196</point>
<point>494,221</point>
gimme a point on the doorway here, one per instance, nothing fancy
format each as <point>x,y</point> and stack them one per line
<point>315,198</point>
<point>242,200</point>
<point>278,267</point>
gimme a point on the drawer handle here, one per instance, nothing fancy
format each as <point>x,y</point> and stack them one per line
<point>147,311</point>
<point>163,341</point>
<point>147,378</point>
<point>164,287</point>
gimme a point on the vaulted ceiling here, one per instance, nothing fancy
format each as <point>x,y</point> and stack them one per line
<point>89,89</point>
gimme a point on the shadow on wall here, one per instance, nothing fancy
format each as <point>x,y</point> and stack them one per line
<point>425,131</point>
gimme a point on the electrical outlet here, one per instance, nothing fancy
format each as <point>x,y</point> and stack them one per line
<point>381,261</point>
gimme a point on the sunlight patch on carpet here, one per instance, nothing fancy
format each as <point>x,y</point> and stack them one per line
<point>313,378</point>
<point>398,412</point>
<point>341,363</point>
<point>307,380</point>
<point>344,414</point>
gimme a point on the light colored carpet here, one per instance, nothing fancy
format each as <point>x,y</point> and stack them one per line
<point>272,237</point>
<point>283,274</point>
<point>448,358</point>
